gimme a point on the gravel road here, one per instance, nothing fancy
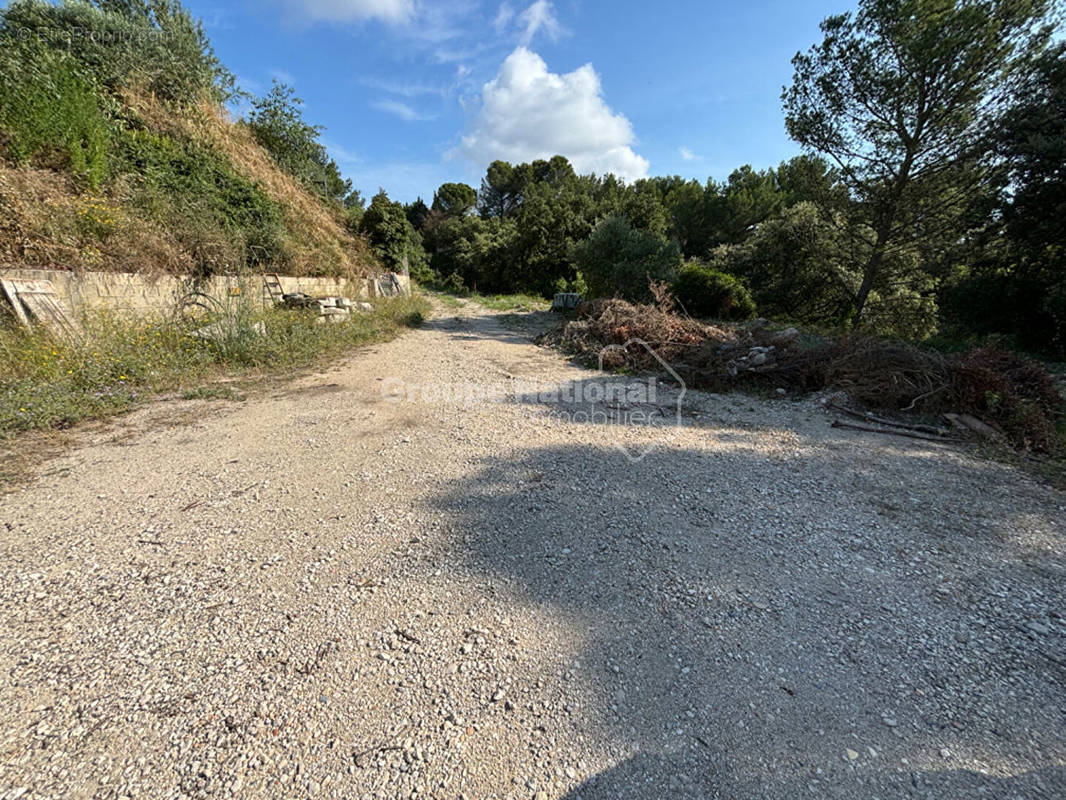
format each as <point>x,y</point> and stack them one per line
<point>323,593</point>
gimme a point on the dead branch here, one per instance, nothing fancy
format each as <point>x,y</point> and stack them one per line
<point>908,434</point>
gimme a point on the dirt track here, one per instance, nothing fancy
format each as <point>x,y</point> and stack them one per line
<point>321,593</point>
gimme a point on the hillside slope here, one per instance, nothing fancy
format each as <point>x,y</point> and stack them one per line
<point>123,158</point>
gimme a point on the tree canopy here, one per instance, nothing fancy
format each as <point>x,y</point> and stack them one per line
<point>900,97</point>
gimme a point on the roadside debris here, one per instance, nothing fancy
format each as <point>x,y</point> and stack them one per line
<point>37,301</point>
<point>988,392</point>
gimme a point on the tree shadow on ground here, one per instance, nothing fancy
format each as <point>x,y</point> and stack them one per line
<point>765,623</point>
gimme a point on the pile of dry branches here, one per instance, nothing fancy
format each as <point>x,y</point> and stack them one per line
<point>1012,395</point>
<point>602,323</point>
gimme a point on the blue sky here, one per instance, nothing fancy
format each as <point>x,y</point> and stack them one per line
<point>414,93</point>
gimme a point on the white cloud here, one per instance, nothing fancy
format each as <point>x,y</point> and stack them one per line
<point>392,11</point>
<point>540,15</point>
<point>401,110</point>
<point>503,17</point>
<point>688,155</point>
<point>528,112</point>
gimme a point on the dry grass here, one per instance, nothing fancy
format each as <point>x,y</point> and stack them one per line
<point>48,223</point>
<point>320,243</point>
<point>46,220</point>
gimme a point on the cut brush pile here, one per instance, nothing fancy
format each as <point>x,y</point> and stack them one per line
<point>1001,391</point>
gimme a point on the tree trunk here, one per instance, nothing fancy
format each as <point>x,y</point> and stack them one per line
<point>869,275</point>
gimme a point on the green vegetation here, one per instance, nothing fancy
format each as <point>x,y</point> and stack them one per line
<point>51,114</point>
<point>900,96</point>
<point>706,292</point>
<point>121,362</point>
<point>153,45</point>
<point>392,238</point>
<point>119,105</point>
<point>621,260</point>
<point>928,202</point>
<point>278,125</point>
<point>221,218</point>
<point>511,302</point>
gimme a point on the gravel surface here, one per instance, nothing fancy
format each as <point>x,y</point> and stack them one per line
<point>319,593</point>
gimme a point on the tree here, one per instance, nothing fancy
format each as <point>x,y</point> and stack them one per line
<point>688,222</point>
<point>750,197</point>
<point>554,215</point>
<point>417,214</point>
<point>618,260</point>
<point>811,179</point>
<point>642,205</point>
<point>392,239</point>
<point>501,190</point>
<point>796,265</point>
<point>1016,283</point>
<point>454,199</point>
<point>354,199</point>
<point>1033,142</point>
<point>278,125</point>
<point>899,97</point>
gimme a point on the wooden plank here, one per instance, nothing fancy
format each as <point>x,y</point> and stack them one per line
<point>8,288</point>
<point>44,305</point>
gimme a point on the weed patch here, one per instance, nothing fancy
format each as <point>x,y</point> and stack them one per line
<point>46,384</point>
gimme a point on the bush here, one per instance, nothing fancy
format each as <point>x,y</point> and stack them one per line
<point>154,45</point>
<point>218,214</point>
<point>51,114</point>
<point>705,292</point>
<point>620,261</point>
<point>454,283</point>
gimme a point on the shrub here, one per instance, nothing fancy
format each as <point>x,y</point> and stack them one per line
<point>705,292</point>
<point>618,260</point>
<point>218,214</point>
<point>50,113</point>
<point>454,283</point>
<point>155,45</point>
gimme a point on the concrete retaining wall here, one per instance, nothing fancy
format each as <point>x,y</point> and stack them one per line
<point>147,294</point>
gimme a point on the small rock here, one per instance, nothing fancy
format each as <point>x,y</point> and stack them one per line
<point>851,754</point>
